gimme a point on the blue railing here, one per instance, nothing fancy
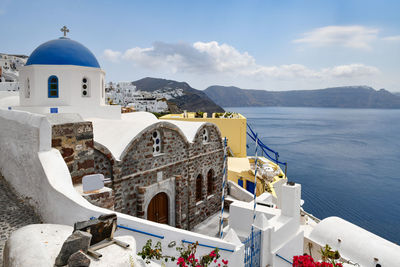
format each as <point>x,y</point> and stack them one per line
<point>207,246</point>
<point>252,249</point>
<point>265,148</point>
<point>279,256</point>
<point>139,231</point>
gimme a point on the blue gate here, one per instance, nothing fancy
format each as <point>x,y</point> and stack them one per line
<point>252,249</point>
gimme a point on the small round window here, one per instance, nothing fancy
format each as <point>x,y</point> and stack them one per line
<point>85,87</point>
<point>205,136</point>
<point>156,138</point>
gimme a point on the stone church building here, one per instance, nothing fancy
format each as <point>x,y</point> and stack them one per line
<point>165,171</point>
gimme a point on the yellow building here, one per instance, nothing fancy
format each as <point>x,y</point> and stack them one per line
<point>233,126</point>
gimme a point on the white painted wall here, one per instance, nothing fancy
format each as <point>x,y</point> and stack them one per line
<point>105,112</point>
<point>239,192</point>
<point>69,85</point>
<point>38,172</point>
<point>280,228</point>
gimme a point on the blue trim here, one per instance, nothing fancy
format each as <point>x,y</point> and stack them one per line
<point>207,246</point>
<point>252,135</point>
<point>284,259</point>
<point>141,232</point>
<point>50,90</point>
<point>63,51</point>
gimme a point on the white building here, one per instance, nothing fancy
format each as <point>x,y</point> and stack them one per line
<point>125,94</point>
<point>63,76</point>
<point>9,67</point>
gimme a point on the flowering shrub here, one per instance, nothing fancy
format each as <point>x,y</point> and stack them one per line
<point>308,261</point>
<point>148,253</point>
<point>187,257</point>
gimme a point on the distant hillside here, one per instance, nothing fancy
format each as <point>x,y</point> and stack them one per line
<point>340,97</point>
<point>179,93</point>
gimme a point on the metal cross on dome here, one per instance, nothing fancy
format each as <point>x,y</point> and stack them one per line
<point>65,30</point>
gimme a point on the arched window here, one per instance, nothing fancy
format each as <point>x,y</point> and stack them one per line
<point>199,187</point>
<point>85,87</point>
<point>156,137</point>
<point>53,87</point>
<point>210,182</point>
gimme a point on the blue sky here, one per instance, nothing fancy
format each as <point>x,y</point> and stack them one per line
<point>272,45</point>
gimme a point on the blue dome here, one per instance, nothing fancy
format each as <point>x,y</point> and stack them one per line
<point>63,51</point>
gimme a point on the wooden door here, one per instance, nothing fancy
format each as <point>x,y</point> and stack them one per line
<point>158,209</point>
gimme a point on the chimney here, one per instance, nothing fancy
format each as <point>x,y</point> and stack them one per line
<point>290,203</point>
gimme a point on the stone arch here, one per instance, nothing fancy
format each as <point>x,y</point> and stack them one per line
<point>210,177</point>
<point>103,158</point>
<point>210,127</point>
<point>167,187</point>
<point>156,126</point>
<point>199,187</point>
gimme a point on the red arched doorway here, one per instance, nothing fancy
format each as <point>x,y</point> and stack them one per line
<point>158,209</point>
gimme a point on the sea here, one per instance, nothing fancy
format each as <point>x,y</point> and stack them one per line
<point>347,160</point>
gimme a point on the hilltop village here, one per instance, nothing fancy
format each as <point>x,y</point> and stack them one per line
<point>105,182</point>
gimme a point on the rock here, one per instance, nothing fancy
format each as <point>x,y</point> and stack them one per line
<point>77,241</point>
<point>100,228</point>
<point>78,259</point>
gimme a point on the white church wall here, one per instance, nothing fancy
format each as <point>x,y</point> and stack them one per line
<point>40,174</point>
<point>69,85</point>
<point>106,112</point>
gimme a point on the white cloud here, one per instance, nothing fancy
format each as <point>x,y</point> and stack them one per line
<point>111,55</point>
<point>395,38</point>
<point>212,58</point>
<point>224,57</point>
<point>346,36</point>
<point>352,70</point>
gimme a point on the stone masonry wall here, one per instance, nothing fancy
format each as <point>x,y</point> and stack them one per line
<point>102,164</point>
<point>75,143</point>
<point>203,158</point>
<point>102,199</point>
<point>140,168</point>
